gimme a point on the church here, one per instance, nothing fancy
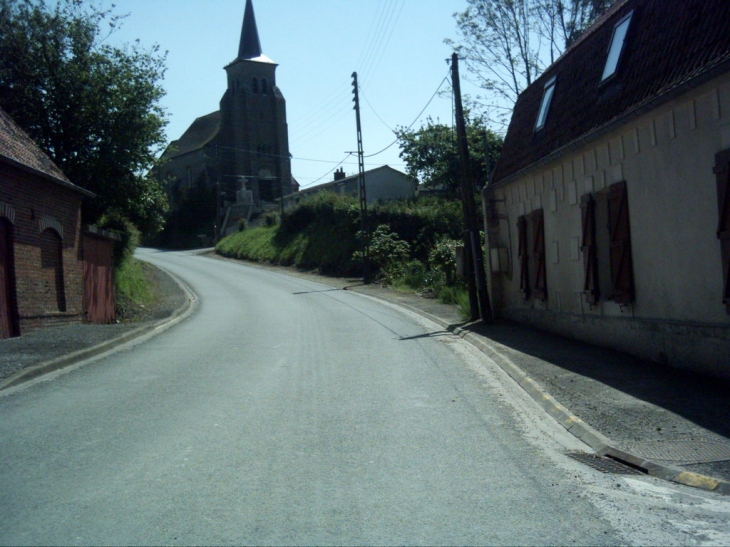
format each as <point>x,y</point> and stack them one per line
<point>243,148</point>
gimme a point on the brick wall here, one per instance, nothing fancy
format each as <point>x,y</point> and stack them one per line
<point>46,215</point>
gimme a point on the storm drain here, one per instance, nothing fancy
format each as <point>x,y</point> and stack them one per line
<point>604,465</point>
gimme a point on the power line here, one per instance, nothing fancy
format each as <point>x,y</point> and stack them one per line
<point>414,121</point>
<point>384,42</point>
<point>328,172</point>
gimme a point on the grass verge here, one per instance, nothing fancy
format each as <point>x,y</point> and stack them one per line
<point>134,288</point>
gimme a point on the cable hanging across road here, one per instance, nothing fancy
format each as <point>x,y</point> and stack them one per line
<point>414,121</point>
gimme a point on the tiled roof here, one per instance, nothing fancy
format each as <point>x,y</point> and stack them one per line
<point>670,44</point>
<point>201,132</point>
<point>16,145</point>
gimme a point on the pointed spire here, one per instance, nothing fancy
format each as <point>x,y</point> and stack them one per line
<point>250,47</point>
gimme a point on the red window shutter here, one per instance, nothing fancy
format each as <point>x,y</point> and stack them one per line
<point>722,173</point>
<point>590,250</point>
<point>523,255</point>
<point>538,251</point>
<point>622,270</point>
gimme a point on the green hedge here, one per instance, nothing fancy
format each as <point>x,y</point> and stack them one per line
<point>321,232</point>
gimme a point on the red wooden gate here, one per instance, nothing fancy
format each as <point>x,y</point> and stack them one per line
<point>98,279</point>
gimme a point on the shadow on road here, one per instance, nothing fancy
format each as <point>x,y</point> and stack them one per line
<point>701,399</point>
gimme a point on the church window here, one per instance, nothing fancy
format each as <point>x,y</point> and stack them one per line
<point>264,86</point>
<point>255,85</point>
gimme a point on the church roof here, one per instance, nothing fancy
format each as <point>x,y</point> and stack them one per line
<point>201,132</point>
<point>250,46</point>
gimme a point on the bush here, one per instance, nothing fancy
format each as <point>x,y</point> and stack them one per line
<point>387,253</point>
<point>442,258</point>
<point>124,249</point>
<point>271,219</point>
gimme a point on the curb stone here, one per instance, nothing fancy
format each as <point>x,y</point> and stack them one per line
<point>183,312</point>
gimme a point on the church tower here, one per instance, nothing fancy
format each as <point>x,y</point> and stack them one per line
<point>254,142</point>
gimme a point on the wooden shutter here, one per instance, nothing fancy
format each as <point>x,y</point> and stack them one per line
<point>722,173</point>
<point>538,252</point>
<point>590,250</point>
<point>622,271</point>
<point>523,255</point>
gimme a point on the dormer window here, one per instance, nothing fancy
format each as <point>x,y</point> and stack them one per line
<point>255,85</point>
<point>547,96</point>
<point>617,46</point>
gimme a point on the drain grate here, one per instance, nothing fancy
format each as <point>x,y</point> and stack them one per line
<point>604,465</point>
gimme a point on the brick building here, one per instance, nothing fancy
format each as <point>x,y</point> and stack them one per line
<point>41,271</point>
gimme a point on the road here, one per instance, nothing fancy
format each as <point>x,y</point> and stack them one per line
<point>283,411</point>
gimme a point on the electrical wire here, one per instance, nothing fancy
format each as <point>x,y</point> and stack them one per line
<point>414,121</point>
<point>328,172</point>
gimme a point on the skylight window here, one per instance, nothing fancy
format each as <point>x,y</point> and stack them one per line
<point>547,96</point>
<point>617,46</point>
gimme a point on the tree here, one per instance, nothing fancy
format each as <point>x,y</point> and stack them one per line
<point>93,108</point>
<point>506,44</point>
<point>432,156</point>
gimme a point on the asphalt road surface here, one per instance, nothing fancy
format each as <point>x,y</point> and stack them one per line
<point>286,412</point>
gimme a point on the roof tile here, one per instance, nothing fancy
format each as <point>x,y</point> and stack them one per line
<point>669,43</point>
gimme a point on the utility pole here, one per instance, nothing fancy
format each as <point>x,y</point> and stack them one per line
<point>476,276</point>
<point>361,186</point>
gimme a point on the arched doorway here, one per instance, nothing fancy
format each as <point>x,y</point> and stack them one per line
<point>9,324</point>
<point>52,266</point>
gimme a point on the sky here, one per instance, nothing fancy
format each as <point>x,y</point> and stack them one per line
<point>396,46</point>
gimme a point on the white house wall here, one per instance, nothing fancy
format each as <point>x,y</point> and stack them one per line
<point>666,158</point>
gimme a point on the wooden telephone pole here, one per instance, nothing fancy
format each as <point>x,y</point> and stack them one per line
<point>361,184</point>
<point>479,303</point>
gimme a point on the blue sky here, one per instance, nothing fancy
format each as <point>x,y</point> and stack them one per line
<point>396,46</point>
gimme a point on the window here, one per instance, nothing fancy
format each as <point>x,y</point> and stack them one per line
<point>617,46</point>
<point>547,96</point>
<point>264,86</point>
<point>538,253</point>
<point>722,174</point>
<point>524,256</point>
<point>606,246</point>
<point>531,249</point>
<point>589,247</point>
<point>255,85</point>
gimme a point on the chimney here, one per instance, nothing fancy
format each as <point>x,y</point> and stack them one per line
<point>340,174</point>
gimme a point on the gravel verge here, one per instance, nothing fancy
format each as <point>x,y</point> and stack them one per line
<point>44,345</point>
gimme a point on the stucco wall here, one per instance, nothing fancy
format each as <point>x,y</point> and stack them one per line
<point>666,158</point>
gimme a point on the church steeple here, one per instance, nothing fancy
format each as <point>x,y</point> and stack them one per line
<point>250,47</point>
